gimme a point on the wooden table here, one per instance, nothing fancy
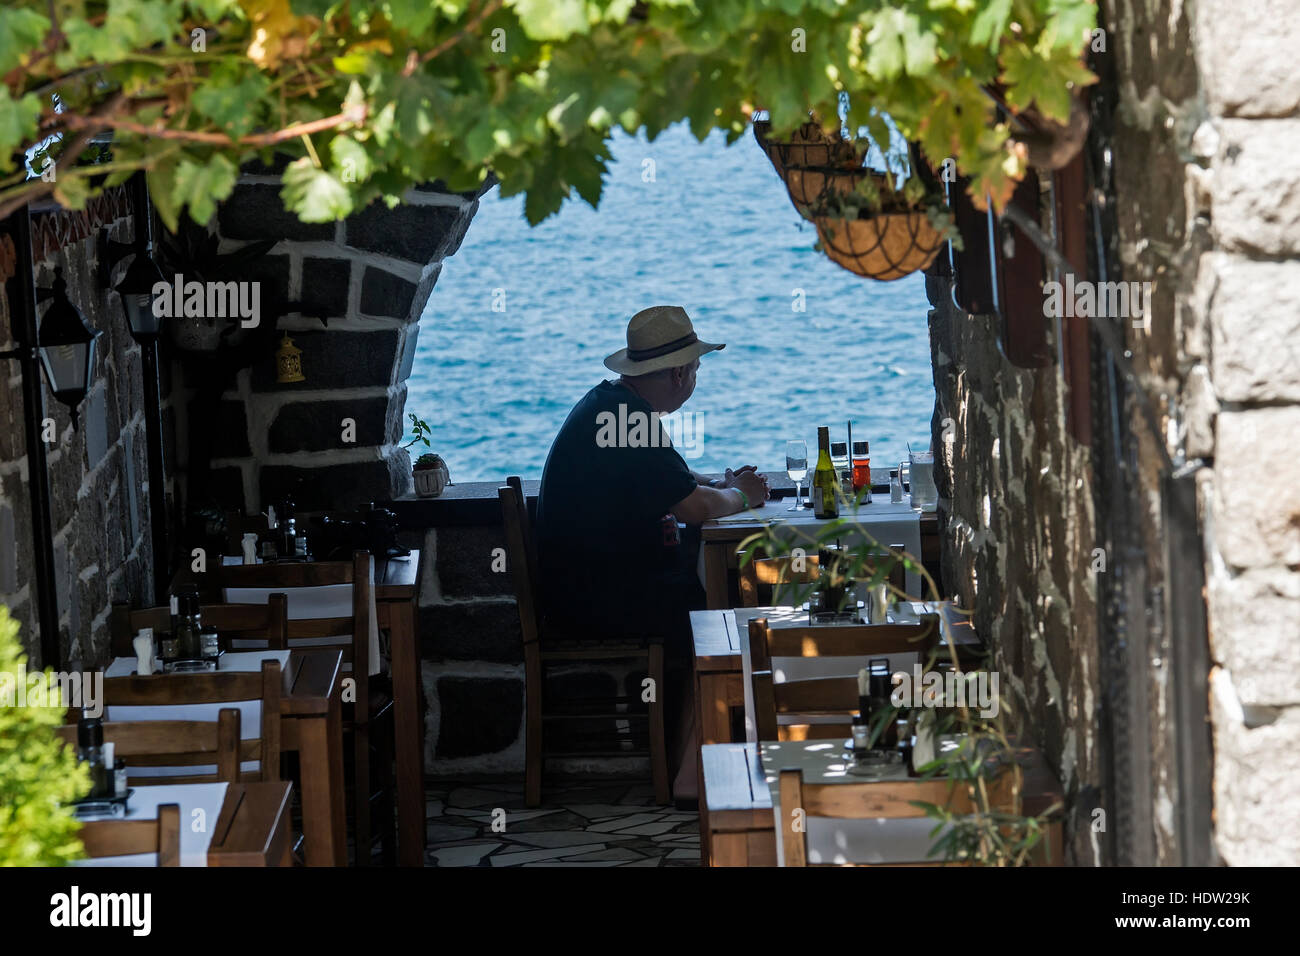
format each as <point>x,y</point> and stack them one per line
<point>396,583</point>
<point>253,829</point>
<point>736,818</point>
<point>719,687</point>
<point>718,543</point>
<point>250,826</point>
<point>311,723</point>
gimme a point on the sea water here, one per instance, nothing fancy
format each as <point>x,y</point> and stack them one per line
<point>520,319</point>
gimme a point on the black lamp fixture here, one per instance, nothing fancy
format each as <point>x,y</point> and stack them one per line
<point>67,347</point>
<point>142,275</point>
<point>137,292</point>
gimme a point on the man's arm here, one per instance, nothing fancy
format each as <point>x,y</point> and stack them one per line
<point>727,481</point>
<point>704,503</point>
<point>748,489</point>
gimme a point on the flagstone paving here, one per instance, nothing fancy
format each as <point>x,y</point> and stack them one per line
<point>599,824</point>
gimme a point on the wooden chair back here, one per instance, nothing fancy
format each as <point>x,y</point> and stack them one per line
<point>523,569</point>
<point>175,743</point>
<point>124,837</point>
<point>820,697</point>
<point>870,800</point>
<point>221,687</point>
<point>267,622</point>
<point>289,575</point>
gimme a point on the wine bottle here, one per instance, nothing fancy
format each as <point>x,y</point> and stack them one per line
<point>826,482</point>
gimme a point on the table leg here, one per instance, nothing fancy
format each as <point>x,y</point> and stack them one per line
<point>320,752</point>
<point>409,732</point>
<point>715,573</point>
<point>701,687</point>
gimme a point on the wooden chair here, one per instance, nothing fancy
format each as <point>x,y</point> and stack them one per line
<point>124,837</point>
<point>542,645</point>
<point>870,800</point>
<point>175,743</point>
<point>178,746</point>
<point>369,720</point>
<point>780,575</point>
<point>268,622</point>
<point>822,696</point>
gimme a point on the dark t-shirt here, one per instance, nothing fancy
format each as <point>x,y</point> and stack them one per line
<point>608,548</point>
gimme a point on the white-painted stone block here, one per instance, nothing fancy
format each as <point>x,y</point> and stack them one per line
<point>1257,487</point>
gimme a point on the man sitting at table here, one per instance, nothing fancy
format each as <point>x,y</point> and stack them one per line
<point>611,559</point>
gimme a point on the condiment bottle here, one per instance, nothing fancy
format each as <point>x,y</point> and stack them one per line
<point>90,748</point>
<point>862,469</point>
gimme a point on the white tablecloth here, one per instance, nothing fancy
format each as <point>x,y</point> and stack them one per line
<point>307,604</point>
<point>196,828</point>
<point>843,841</point>
<point>250,711</point>
<point>893,525</point>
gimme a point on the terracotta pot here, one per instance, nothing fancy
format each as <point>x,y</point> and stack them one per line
<point>885,246</point>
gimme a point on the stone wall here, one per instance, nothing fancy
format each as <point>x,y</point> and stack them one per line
<point>368,277</point>
<point>1241,354</point>
<point>1018,540</point>
<point>98,475</point>
<point>1205,144</point>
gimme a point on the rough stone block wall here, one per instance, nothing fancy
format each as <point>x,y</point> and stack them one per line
<point>1245,322</point>
<point>98,475</point>
<point>1018,541</point>
<point>370,277</point>
<point>473,671</point>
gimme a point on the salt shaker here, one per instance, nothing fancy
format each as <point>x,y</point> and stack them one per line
<point>895,487</point>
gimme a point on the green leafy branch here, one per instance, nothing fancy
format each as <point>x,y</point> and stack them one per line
<point>368,100</point>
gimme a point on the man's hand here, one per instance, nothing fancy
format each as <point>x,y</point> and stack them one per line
<point>751,484</point>
<point>729,479</point>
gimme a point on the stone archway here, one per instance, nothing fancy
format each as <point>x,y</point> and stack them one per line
<point>369,277</point>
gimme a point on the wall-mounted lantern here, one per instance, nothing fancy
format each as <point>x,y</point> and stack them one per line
<point>288,362</point>
<point>67,348</point>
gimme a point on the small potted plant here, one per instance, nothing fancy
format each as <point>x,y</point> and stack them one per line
<point>430,474</point>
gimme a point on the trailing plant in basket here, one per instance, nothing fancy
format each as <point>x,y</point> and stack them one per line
<point>990,835</point>
<point>39,776</point>
<point>878,195</point>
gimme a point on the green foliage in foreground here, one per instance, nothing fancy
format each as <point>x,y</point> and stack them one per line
<point>39,776</point>
<point>374,97</point>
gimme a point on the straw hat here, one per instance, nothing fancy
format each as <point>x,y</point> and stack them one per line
<point>657,338</point>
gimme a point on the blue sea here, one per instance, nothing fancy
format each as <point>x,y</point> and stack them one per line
<point>701,225</point>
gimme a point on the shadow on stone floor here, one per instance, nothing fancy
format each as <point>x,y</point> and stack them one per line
<point>594,824</point>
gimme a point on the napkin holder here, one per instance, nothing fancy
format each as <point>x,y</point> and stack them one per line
<point>146,663</point>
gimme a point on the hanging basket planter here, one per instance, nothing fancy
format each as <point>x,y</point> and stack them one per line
<point>884,246</point>
<point>813,165</point>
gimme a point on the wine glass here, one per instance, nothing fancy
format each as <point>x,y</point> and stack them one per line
<point>796,466</point>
